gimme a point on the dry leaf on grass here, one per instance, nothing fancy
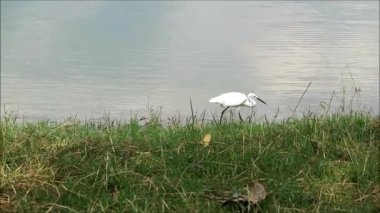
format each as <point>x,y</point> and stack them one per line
<point>206,140</point>
<point>256,192</point>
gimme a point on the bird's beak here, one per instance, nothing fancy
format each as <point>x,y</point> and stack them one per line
<point>261,100</point>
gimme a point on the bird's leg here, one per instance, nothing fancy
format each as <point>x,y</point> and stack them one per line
<point>221,116</point>
<point>240,115</point>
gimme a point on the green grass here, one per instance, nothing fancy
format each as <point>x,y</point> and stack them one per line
<point>311,164</point>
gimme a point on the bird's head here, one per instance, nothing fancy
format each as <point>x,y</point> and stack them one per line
<point>253,95</point>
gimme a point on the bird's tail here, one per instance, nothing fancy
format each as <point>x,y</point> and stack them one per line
<point>214,100</point>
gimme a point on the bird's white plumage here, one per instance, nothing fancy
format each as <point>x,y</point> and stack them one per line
<point>230,99</point>
<point>235,99</point>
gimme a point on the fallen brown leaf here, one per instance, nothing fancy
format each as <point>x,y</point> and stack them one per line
<point>256,192</point>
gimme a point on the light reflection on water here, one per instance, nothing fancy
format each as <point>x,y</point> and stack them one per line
<point>93,57</point>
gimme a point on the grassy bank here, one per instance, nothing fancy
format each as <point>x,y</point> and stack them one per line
<point>309,164</point>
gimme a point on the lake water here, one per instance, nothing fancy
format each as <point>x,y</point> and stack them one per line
<point>87,58</point>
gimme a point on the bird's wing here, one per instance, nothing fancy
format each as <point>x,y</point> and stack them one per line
<point>234,99</point>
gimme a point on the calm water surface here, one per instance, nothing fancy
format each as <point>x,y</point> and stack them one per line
<point>88,58</point>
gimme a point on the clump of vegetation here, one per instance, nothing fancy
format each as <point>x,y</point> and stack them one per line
<point>314,163</point>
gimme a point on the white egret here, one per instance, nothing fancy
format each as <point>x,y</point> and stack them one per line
<point>235,99</point>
